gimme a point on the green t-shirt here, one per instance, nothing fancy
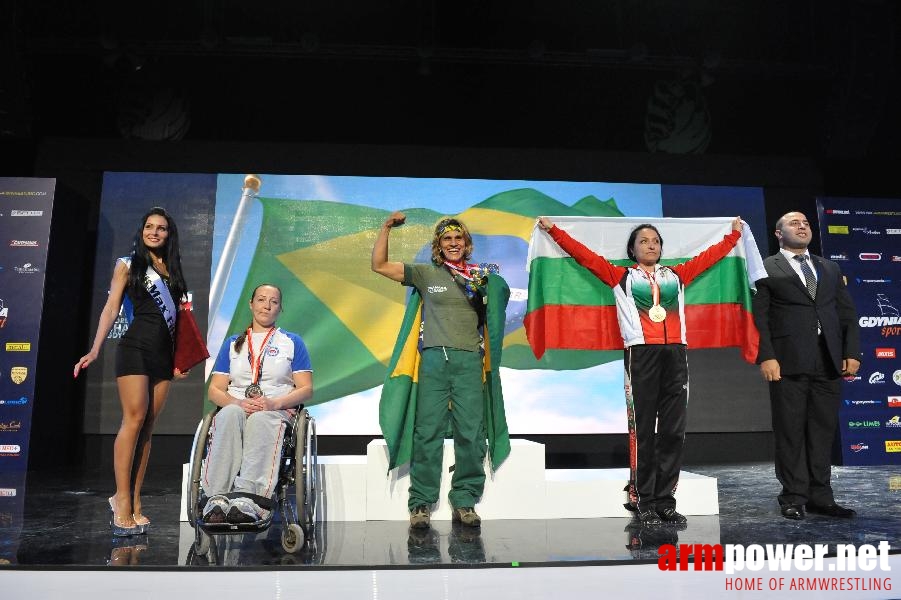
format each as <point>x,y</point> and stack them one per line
<point>448,317</point>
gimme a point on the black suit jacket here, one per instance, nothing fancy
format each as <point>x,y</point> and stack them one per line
<point>786,316</point>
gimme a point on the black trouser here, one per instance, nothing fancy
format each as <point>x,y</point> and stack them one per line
<point>656,392</point>
<point>805,415</point>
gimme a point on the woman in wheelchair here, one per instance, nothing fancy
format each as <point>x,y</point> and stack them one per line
<point>259,377</point>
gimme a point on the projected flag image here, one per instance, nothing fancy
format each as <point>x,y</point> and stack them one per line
<point>312,236</point>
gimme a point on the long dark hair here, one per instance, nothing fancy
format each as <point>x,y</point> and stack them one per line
<point>171,255</point>
<point>634,235</point>
<point>239,341</point>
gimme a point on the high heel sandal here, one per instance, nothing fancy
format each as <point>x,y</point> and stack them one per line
<point>116,523</point>
<point>142,522</point>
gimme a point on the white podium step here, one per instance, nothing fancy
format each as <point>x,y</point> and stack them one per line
<point>359,488</point>
<point>515,491</point>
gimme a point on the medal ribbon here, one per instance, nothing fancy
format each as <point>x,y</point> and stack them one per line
<point>655,289</point>
<point>462,269</point>
<point>256,368</point>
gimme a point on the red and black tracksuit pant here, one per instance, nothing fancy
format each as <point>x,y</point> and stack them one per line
<point>656,382</point>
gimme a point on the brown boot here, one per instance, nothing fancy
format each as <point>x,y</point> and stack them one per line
<point>466,516</point>
<point>419,517</point>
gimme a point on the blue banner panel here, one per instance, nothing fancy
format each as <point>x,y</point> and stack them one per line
<point>26,206</point>
<point>863,235</point>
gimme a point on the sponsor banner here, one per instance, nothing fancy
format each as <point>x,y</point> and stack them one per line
<point>27,204</point>
<point>863,236</point>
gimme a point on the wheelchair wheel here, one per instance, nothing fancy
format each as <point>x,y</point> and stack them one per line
<point>198,451</point>
<point>202,542</point>
<point>293,537</point>
<point>305,479</point>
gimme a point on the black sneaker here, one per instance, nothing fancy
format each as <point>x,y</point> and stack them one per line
<point>215,509</point>
<point>669,515</point>
<point>648,518</point>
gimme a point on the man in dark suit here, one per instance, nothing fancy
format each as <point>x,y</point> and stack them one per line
<point>809,339</point>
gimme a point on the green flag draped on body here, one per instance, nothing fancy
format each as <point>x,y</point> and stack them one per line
<point>397,407</point>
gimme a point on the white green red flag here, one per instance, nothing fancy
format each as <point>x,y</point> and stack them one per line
<point>571,309</point>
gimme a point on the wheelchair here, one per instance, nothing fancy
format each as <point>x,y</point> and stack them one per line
<point>297,469</point>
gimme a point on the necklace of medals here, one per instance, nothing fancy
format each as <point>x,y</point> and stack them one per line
<point>656,313</point>
<point>462,274</point>
<point>256,367</point>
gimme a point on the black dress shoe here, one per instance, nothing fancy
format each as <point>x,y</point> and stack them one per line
<point>793,511</point>
<point>831,510</point>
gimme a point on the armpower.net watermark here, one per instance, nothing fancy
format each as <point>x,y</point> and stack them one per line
<point>761,567</point>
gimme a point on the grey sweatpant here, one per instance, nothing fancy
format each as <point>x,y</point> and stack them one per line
<point>245,451</point>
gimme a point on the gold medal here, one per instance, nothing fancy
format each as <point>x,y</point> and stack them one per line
<point>657,313</point>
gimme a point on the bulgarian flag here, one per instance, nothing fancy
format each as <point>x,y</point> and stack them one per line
<point>571,309</point>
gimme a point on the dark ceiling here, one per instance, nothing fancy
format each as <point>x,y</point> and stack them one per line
<point>758,77</point>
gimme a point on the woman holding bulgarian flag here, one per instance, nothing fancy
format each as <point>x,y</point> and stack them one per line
<point>450,377</point>
<point>650,307</point>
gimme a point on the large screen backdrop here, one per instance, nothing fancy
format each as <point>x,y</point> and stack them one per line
<point>863,235</point>
<point>312,236</point>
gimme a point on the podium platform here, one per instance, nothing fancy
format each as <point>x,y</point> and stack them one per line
<point>359,488</point>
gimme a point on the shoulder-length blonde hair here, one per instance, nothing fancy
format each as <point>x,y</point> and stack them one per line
<point>440,229</point>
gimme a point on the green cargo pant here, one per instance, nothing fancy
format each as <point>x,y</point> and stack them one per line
<point>450,387</point>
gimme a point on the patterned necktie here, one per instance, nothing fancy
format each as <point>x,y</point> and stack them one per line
<point>809,279</point>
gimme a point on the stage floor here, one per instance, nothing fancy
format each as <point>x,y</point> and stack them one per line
<point>65,524</point>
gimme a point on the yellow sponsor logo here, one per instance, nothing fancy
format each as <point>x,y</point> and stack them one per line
<point>894,483</point>
<point>18,374</point>
<point>893,445</point>
<point>838,229</point>
<point>18,346</point>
